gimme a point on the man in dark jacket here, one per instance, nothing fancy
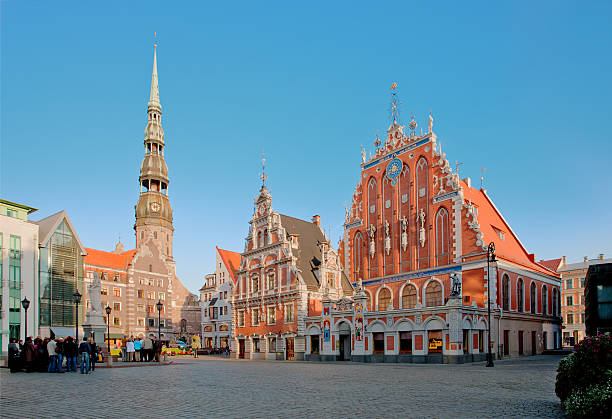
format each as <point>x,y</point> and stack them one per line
<point>85,351</point>
<point>14,360</point>
<point>70,352</point>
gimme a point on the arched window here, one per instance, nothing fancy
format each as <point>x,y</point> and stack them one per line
<point>254,284</point>
<point>259,239</point>
<point>433,294</point>
<point>384,299</point>
<point>265,236</point>
<point>532,297</point>
<point>422,200</point>
<point>505,293</point>
<point>544,300</point>
<point>442,237</point>
<point>409,296</point>
<point>554,302</point>
<point>357,256</point>
<point>372,212</point>
<point>369,300</point>
<point>520,297</point>
<point>183,325</point>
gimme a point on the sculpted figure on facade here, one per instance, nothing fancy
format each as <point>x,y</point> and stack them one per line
<point>387,238</point>
<point>456,285</point>
<point>404,221</point>
<point>371,232</point>
<point>421,224</point>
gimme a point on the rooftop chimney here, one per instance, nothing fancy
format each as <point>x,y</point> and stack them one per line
<point>563,260</point>
<point>586,259</point>
<point>316,220</point>
<point>601,256</point>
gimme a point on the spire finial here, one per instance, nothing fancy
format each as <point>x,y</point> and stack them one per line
<point>154,84</point>
<point>263,169</point>
<point>394,104</point>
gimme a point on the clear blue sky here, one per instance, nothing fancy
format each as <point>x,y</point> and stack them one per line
<point>521,88</point>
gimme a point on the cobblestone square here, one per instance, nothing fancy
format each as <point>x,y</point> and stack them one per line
<point>211,387</point>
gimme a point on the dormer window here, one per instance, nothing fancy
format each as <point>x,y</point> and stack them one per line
<point>500,233</point>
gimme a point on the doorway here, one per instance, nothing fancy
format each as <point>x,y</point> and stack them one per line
<point>241,349</point>
<point>545,340</point>
<point>534,348</point>
<point>289,346</point>
<point>344,346</point>
<point>520,342</point>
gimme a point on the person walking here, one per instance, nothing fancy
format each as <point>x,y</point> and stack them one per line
<point>51,346</point>
<point>84,351</point>
<point>147,348</point>
<point>129,349</point>
<point>14,360</point>
<point>28,354</point>
<point>137,349</point>
<point>93,356</point>
<point>59,350</point>
<point>70,352</point>
<point>43,355</point>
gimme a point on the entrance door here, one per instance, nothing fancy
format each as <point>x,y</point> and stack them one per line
<point>506,342</point>
<point>345,347</point>
<point>545,339</point>
<point>520,342</point>
<point>289,346</point>
<point>241,349</point>
<point>534,348</point>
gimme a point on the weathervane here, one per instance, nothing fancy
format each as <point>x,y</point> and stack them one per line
<point>412,125</point>
<point>263,169</point>
<point>394,104</point>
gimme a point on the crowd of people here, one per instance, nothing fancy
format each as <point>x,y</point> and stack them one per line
<point>48,355</point>
<point>142,350</point>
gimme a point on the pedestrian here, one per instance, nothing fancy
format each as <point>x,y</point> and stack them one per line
<point>93,358</point>
<point>129,349</point>
<point>14,359</point>
<point>70,352</point>
<point>29,354</point>
<point>157,348</point>
<point>137,349</point>
<point>84,351</point>
<point>51,349</point>
<point>59,350</point>
<point>43,355</point>
<point>147,349</point>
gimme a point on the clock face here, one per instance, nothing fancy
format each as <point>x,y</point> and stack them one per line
<point>155,207</point>
<point>394,168</point>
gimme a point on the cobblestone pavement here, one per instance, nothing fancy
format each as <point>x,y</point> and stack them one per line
<point>213,387</point>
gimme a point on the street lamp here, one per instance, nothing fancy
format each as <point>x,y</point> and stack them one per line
<point>76,299</point>
<point>108,312</point>
<point>25,303</point>
<point>159,306</point>
<point>490,258</point>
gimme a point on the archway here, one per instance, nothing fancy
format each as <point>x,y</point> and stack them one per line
<point>344,341</point>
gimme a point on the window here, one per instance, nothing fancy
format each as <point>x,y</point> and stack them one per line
<point>140,322</point>
<point>582,300</point>
<point>314,344</point>
<point>289,313</point>
<point>155,234</point>
<point>160,282</point>
<point>581,282</point>
<point>555,302</point>
<point>140,293</point>
<point>272,315</point>
<point>116,321</point>
<point>357,256</point>
<point>520,297</point>
<point>379,342</point>
<point>103,291</point>
<point>241,318</point>
<point>433,294</point>
<point>255,317</point>
<point>570,319</point>
<point>265,237</point>
<point>581,317</point>
<point>255,284</point>
<point>162,322</point>
<point>569,284</point>
<point>409,296</point>
<point>150,295</point>
<point>116,278</point>
<point>162,296</point>
<point>544,300</point>
<point>140,307</point>
<point>434,343</point>
<point>442,237</point>
<point>151,282</point>
<point>150,308</point>
<point>141,281</point>
<point>117,306</point>
<point>151,322</point>
<point>405,342</point>
<point>506,293</point>
<point>384,299</point>
<point>225,295</point>
<point>569,300</point>
<point>271,281</point>
<point>256,345</point>
<point>532,297</point>
<point>117,292</point>
<point>90,274</point>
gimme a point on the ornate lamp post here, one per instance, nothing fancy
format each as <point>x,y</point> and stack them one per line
<point>159,306</point>
<point>76,299</point>
<point>108,312</point>
<point>490,258</point>
<point>25,303</point>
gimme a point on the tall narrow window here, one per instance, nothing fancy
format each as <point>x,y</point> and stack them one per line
<point>442,237</point>
<point>357,256</point>
<point>433,294</point>
<point>544,300</point>
<point>384,299</point>
<point>520,297</point>
<point>554,302</point>
<point>372,218</point>
<point>506,293</point>
<point>422,209</point>
<point>409,296</point>
<point>532,297</point>
<point>265,234</point>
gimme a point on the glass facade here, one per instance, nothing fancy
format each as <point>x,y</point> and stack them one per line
<point>14,283</point>
<point>61,274</point>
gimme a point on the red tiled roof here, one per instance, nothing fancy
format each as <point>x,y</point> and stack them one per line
<point>108,259</point>
<point>231,260</point>
<point>490,220</point>
<point>552,264</point>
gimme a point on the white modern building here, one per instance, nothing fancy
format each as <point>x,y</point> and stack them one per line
<point>215,298</point>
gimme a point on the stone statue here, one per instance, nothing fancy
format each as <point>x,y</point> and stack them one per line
<point>421,221</point>
<point>94,326</point>
<point>387,238</point>
<point>93,290</point>
<point>371,231</point>
<point>456,287</point>
<point>363,155</point>
<point>430,126</point>
<point>404,221</point>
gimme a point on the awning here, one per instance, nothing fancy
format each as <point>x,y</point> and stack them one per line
<point>212,302</point>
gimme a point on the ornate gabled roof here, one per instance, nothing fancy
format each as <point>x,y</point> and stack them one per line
<point>231,261</point>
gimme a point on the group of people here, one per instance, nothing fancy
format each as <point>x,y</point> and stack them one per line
<point>142,350</point>
<point>48,355</point>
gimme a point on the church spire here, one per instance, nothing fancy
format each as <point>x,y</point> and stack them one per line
<point>154,98</point>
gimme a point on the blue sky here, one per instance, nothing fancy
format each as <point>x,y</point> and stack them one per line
<point>521,88</point>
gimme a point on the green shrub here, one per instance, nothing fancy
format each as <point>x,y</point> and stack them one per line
<point>584,378</point>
